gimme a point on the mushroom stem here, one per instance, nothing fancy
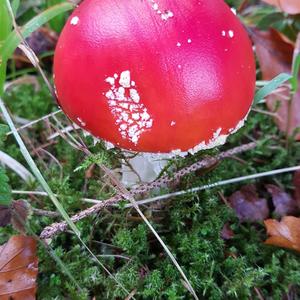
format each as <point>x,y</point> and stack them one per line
<point>142,168</point>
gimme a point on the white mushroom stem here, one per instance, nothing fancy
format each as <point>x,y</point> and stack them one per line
<point>143,167</point>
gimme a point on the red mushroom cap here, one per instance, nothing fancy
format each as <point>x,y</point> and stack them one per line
<point>155,75</point>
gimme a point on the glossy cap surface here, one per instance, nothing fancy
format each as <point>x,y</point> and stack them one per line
<point>155,76</point>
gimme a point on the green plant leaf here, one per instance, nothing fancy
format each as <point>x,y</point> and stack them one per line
<point>5,29</point>
<point>15,5</point>
<point>5,22</point>
<point>58,22</point>
<point>271,86</point>
<point>295,72</point>
<point>13,40</point>
<point>98,158</point>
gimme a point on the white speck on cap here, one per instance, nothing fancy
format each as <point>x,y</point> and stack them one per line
<point>136,116</point>
<point>110,80</point>
<point>134,95</point>
<point>231,33</point>
<point>218,139</point>
<point>123,126</point>
<point>132,117</point>
<point>155,6</point>
<point>189,41</point>
<point>125,79</point>
<point>74,20</point>
<point>178,44</point>
<point>110,95</point>
<point>166,15</point>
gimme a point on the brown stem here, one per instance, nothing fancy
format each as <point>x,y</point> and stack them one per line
<point>45,213</point>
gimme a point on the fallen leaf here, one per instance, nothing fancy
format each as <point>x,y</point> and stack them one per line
<point>20,211</point>
<point>18,268</point>
<point>275,55</point>
<point>226,232</point>
<point>247,204</point>
<point>283,202</point>
<point>5,215</point>
<point>289,6</point>
<point>15,214</point>
<point>284,234</point>
<point>297,186</point>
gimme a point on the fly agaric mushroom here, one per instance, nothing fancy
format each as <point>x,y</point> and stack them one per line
<point>155,76</point>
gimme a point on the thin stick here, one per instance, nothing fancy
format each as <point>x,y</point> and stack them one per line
<point>44,194</point>
<point>216,184</point>
<point>36,121</point>
<point>45,213</point>
<point>180,193</point>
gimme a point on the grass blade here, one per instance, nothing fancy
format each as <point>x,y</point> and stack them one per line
<point>5,29</point>
<point>296,68</point>
<point>6,24</point>
<point>271,87</point>
<point>15,5</point>
<point>13,40</point>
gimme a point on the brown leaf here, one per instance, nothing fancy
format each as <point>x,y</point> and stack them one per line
<point>18,268</point>
<point>20,212</point>
<point>5,215</point>
<point>297,186</point>
<point>247,204</point>
<point>289,6</point>
<point>275,55</point>
<point>283,202</point>
<point>40,41</point>
<point>284,234</point>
